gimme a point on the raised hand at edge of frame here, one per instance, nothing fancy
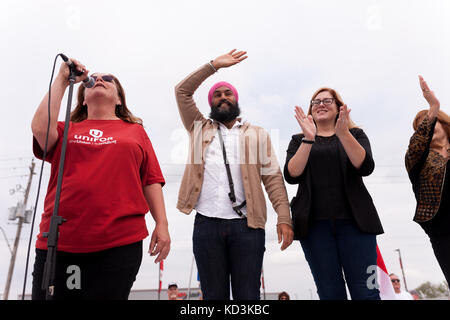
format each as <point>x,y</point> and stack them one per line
<point>430,97</point>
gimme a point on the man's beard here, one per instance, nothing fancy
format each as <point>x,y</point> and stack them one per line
<point>225,115</point>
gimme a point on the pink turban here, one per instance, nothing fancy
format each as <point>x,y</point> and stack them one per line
<point>218,85</point>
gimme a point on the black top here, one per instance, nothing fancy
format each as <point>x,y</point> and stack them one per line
<point>356,194</point>
<point>329,200</point>
<point>440,224</point>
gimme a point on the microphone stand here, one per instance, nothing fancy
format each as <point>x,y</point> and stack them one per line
<point>48,281</point>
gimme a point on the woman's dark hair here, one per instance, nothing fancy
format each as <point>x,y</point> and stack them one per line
<point>284,294</point>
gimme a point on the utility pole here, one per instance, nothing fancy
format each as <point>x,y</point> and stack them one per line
<point>401,267</point>
<point>21,218</point>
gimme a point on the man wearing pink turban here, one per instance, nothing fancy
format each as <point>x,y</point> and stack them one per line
<point>218,85</point>
<point>228,160</point>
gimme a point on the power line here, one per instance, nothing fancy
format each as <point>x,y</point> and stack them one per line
<point>13,168</point>
<point>24,175</point>
<point>18,158</point>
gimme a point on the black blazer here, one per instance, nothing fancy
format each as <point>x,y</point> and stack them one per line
<point>360,201</point>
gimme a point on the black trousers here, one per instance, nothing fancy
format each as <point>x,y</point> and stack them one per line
<point>441,248</point>
<point>107,274</point>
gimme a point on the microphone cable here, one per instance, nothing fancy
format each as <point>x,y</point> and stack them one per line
<point>40,178</point>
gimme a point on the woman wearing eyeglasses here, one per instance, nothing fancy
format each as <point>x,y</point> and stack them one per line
<point>428,168</point>
<point>333,214</point>
<point>111,180</point>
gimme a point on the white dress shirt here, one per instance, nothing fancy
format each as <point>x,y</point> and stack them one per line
<point>213,200</point>
<point>403,295</point>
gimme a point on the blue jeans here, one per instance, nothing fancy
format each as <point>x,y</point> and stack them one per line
<point>225,249</point>
<point>334,248</point>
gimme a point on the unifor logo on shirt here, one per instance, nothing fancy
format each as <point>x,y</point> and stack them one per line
<point>96,133</point>
<point>95,137</point>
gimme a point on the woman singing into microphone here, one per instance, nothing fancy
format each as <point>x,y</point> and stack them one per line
<point>111,180</point>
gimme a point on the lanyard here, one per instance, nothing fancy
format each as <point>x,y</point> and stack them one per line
<point>237,208</point>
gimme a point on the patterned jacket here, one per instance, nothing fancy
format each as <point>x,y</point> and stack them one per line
<point>426,169</point>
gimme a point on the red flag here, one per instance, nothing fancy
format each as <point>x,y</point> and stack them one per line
<point>384,281</point>
<point>161,269</point>
<point>262,279</point>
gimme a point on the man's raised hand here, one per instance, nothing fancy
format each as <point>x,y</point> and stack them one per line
<point>231,58</point>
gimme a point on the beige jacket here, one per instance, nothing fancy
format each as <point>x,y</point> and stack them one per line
<point>258,160</point>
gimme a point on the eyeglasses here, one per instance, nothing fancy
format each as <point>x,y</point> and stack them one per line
<point>326,102</point>
<point>107,78</point>
<point>395,280</point>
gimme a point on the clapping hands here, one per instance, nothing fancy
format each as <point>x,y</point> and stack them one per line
<point>306,123</point>
<point>343,121</point>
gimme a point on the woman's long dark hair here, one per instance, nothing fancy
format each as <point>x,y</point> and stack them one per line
<point>122,112</point>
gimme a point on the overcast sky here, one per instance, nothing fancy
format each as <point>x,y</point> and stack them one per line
<point>370,51</point>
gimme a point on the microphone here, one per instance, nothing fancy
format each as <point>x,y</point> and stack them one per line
<point>88,82</point>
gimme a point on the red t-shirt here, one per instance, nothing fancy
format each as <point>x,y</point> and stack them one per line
<point>108,162</point>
